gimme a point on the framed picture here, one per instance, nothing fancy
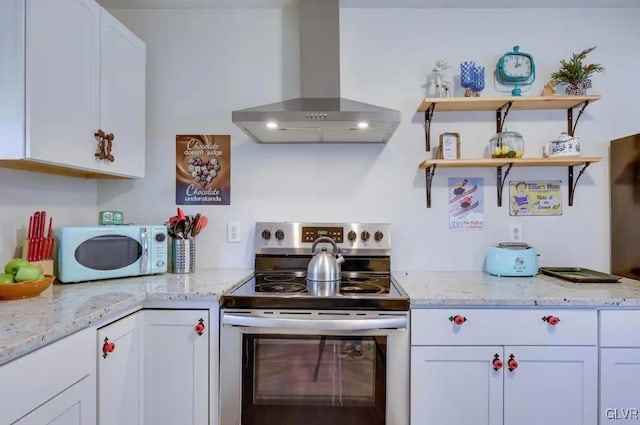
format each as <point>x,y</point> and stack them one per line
<point>449,146</point>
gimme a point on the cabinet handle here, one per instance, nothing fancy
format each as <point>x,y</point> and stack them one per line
<point>105,144</point>
<point>497,363</point>
<point>512,363</point>
<point>100,135</point>
<point>552,320</point>
<point>457,319</point>
<point>107,347</point>
<point>109,138</point>
<point>200,327</point>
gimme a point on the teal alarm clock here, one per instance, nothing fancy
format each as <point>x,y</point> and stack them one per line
<point>516,68</point>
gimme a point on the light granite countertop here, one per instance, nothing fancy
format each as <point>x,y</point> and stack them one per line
<point>432,289</point>
<point>62,309</point>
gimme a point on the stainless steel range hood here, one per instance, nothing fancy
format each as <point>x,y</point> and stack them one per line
<point>320,115</point>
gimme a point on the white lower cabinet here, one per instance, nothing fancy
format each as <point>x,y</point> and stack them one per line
<point>548,381</point>
<point>120,372</point>
<point>464,385</point>
<point>619,366</point>
<point>551,385</point>
<point>455,385</point>
<point>176,373</point>
<point>74,406</point>
<point>53,385</point>
<point>619,378</point>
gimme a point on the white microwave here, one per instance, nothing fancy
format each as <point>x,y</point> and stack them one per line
<point>105,252</point>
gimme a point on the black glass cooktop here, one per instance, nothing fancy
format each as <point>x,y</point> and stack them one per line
<point>289,290</point>
<point>288,283</point>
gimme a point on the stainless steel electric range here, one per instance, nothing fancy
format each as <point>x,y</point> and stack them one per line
<point>291,357</point>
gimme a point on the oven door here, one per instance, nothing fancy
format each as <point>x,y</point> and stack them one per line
<point>320,367</point>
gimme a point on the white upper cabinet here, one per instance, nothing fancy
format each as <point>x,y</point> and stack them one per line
<point>62,58</point>
<point>122,96</point>
<point>62,69</point>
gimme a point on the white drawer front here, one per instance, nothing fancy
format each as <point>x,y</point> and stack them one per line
<point>504,327</point>
<point>36,377</point>
<point>619,328</point>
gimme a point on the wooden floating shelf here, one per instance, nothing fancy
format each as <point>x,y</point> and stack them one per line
<point>500,162</point>
<point>451,104</point>
<point>430,166</point>
<point>501,106</point>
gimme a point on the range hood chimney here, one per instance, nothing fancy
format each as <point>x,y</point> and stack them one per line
<point>320,115</point>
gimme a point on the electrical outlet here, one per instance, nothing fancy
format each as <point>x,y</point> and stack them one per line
<point>515,232</point>
<point>233,232</point>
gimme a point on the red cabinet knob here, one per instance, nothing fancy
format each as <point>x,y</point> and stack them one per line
<point>200,327</point>
<point>457,319</point>
<point>552,320</point>
<point>512,363</point>
<point>107,347</point>
<point>497,363</point>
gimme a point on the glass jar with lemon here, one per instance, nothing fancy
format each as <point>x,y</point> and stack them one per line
<point>507,144</point>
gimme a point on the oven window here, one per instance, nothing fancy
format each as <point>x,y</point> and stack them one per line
<point>313,380</point>
<point>108,252</point>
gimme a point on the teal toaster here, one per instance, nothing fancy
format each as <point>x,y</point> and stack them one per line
<point>512,259</point>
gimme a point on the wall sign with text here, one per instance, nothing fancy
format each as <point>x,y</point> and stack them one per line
<point>536,197</point>
<point>203,169</point>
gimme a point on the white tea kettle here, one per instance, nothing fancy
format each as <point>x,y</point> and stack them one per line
<point>323,271</point>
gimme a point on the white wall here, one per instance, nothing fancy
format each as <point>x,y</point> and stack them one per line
<point>202,64</point>
<point>70,201</point>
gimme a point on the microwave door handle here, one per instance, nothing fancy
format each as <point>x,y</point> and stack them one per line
<point>144,261</point>
<point>316,325</point>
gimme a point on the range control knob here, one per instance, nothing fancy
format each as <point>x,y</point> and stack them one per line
<point>160,263</point>
<point>378,236</point>
<point>365,236</point>
<point>279,235</point>
<point>352,236</point>
<point>266,234</point>
<point>160,237</point>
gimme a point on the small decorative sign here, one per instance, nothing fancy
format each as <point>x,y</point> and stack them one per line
<point>449,146</point>
<point>537,197</point>
<point>203,169</point>
<point>466,203</point>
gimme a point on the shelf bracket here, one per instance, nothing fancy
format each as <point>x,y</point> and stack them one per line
<point>429,172</point>
<point>428,115</point>
<point>500,119</point>
<point>571,126</point>
<point>572,184</point>
<point>501,180</point>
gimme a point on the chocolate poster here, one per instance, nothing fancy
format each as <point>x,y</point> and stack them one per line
<point>203,169</point>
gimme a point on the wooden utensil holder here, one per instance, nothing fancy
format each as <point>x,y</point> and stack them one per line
<point>46,266</point>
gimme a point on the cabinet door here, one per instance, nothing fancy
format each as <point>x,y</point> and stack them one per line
<point>120,391</point>
<point>62,77</point>
<point>619,378</point>
<point>12,27</point>
<point>456,386</point>
<point>176,367</point>
<point>74,406</point>
<point>551,385</point>
<point>122,97</point>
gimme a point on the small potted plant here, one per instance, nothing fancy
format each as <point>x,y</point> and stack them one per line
<point>575,74</point>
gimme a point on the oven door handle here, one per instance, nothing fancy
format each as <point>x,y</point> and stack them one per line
<point>314,324</point>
